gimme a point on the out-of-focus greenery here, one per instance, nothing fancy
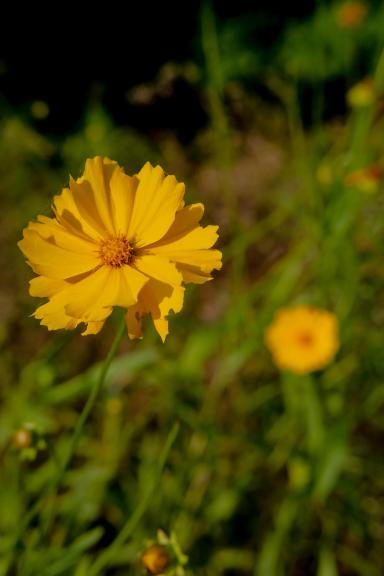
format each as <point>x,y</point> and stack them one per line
<point>267,474</point>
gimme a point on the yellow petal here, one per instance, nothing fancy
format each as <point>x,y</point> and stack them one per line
<point>203,260</point>
<point>92,299</point>
<point>188,245</point>
<point>134,281</point>
<point>87,300</point>
<point>52,261</point>
<point>197,239</point>
<point>185,220</point>
<point>123,190</point>
<point>158,267</point>
<point>85,199</point>
<point>157,299</point>
<point>55,318</point>
<point>93,328</point>
<point>166,303</point>
<point>50,229</point>
<point>68,216</point>
<point>193,275</point>
<point>43,287</point>
<point>156,202</point>
<point>133,319</point>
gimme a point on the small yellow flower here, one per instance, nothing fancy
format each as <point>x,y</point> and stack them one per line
<point>324,174</point>
<point>118,240</point>
<point>366,180</point>
<point>39,110</point>
<point>156,559</point>
<point>299,473</point>
<point>361,94</point>
<point>23,437</point>
<point>302,339</point>
<point>351,14</point>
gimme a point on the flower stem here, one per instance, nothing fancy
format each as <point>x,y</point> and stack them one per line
<point>95,391</point>
<point>105,557</point>
<point>305,410</point>
<point>314,416</point>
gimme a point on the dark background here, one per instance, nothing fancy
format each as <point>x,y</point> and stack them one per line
<point>67,56</point>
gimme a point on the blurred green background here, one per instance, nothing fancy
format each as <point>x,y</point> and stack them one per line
<point>273,116</point>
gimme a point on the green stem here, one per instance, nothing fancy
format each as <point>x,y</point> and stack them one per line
<point>379,73</point>
<point>95,391</point>
<point>304,408</point>
<point>269,557</point>
<point>314,414</point>
<point>105,557</point>
<point>215,94</point>
<point>363,119</point>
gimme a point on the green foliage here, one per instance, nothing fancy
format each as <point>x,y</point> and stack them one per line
<point>243,469</point>
<point>322,48</point>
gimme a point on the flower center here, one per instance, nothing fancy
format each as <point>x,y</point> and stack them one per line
<point>305,339</point>
<point>116,251</point>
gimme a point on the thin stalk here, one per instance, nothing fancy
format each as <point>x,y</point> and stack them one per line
<point>215,94</point>
<point>129,527</point>
<point>95,391</point>
<point>314,416</point>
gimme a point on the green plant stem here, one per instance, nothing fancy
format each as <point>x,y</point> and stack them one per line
<point>105,557</point>
<point>363,119</point>
<point>379,73</point>
<point>314,415</point>
<point>219,118</point>
<point>304,408</point>
<point>95,391</point>
<point>269,557</point>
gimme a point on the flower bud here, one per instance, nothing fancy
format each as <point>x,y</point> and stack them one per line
<point>156,559</point>
<point>23,438</point>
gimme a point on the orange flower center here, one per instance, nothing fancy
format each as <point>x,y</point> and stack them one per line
<point>305,339</point>
<point>116,252</point>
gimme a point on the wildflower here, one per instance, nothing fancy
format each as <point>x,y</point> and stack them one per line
<point>299,473</point>
<point>351,14</point>
<point>22,438</point>
<point>29,441</point>
<point>302,339</point>
<point>361,94</point>
<point>366,180</point>
<point>324,174</point>
<point>39,110</point>
<point>164,556</point>
<point>156,559</point>
<point>118,240</point>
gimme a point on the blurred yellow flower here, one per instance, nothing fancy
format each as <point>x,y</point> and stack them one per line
<point>40,109</point>
<point>156,559</point>
<point>324,174</point>
<point>118,240</point>
<point>302,339</point>
<point>361,94</point>
<point>351,14</point>
<point>366,180</point>
<point>23,437</point>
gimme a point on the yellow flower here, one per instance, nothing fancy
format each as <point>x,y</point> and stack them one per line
<point>366,180</point>
<point>302,339</point>
<point>362,94</point>
<point>324,174</point>
<point>118,240</point>
<point>156,559</point>
<point>351,14</point>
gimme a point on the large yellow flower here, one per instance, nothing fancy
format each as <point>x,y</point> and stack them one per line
<point>118,240</point>
<point>302,339</point>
